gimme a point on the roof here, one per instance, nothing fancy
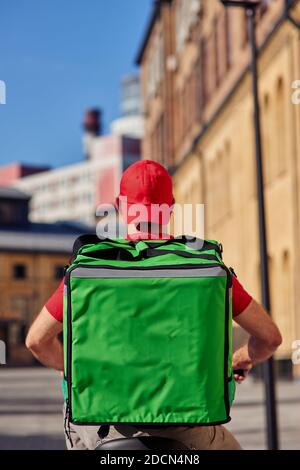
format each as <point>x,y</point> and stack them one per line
<point>10,321</point>
<point>42,238</point>
<point>58,228</point>
<point>12,193</point>
<point>153,17</point>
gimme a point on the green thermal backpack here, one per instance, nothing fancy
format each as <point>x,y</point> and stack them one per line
<point>147,333</point>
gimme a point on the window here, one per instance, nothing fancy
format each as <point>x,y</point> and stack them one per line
<point>227,34</point>
<point>244,27</point>
<point>216,48</point>
<point>281,127</point>
<point>198,88</point>
<point>281,299</point>
<point>266,138</point>
<point>193,98</point>
<point>222,45</point>
<point>156,65</point>
<point>6,213</point>
<point>212,66</point>
<point>186,16</point>
<point>177,118</point>
<point>154,145</point>
<point>19,271</point>
<point>185,110</point>
<point>20,306</point>
<point>263,7</point>
<point>161,143</point>
<point>226,177</point>
<point>205,62</point>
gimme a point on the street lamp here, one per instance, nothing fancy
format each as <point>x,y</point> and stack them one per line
<point>271,413</point>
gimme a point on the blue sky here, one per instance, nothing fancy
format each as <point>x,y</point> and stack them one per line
<point>57,58</point>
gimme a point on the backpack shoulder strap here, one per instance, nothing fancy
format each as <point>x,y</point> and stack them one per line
<point>86,239</point>
<point>190,241</point>
<point>112,252</point>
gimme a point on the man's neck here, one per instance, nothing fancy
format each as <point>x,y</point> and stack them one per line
<point>148,231</point>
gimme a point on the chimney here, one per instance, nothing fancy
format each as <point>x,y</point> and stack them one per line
<point>92,128</point>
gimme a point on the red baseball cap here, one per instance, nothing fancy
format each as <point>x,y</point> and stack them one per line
<point>146,185</point>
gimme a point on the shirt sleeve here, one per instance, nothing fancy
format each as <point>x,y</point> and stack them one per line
<point>240,297</point>
<point>55,304</point>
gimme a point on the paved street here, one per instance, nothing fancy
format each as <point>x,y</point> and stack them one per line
<point>30,409</point>
<point>31,402</point>
<point>248,415</point>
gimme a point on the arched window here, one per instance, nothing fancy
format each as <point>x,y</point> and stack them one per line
<point>219,189</point>
<point>266,139</point>
<point>227,175</point>
<point>210,184</point>
<point>281,156</point>
<point>286,286</point>
<point>285,314</point>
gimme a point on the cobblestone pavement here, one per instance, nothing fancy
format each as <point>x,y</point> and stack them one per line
<point>31,403</point>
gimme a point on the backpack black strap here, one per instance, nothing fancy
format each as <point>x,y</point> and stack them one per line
<point>86,239</point>
<point>119,254</point>
<point>193,242</point>
<point>151,253</point>
<point>103,431</point>
<point>110,253</point>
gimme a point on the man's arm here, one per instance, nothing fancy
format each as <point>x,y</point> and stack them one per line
<point>264,339</point>
<point>43,342</point>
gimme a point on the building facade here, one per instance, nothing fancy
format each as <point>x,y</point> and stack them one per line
<point>32,260</point>
<point>131,123</point>
<point>210,139</point>
<point>73,192</point>
<point>14,171</point>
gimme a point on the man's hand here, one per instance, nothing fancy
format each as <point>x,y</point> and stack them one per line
<point>264,339</point>
<point>241,362</point>
<point>43,342</point>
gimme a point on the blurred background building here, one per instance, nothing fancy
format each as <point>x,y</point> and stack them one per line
<point>73,192</point>
<point>131,122</point>
<point>14,171</point>
<point>32,259</point>
<point>196,88</point>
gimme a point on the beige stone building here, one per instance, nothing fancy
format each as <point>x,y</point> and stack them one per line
<point>197,94</point>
